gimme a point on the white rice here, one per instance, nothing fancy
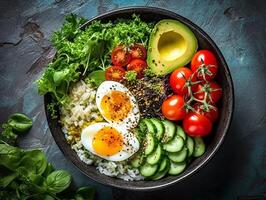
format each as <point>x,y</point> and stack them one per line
<point>79,113</point>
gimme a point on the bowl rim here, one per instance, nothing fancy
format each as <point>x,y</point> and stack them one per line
<point>215,148</point>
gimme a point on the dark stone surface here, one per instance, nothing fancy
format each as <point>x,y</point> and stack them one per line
<point>237,27</point>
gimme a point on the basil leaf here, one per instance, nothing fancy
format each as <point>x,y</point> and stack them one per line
<point>48,197</point>
<point>57,181</point>
<point>36,179</point>
<point>24,188</point>
<point>5,181</point>
<point>7,195</point>
<point>85,193</point>
<point>10,157</point>
<point>20,122</point>
<point>34,161</point>
<point>30,182</point>
<point>7,134</point>
<point>49,169</point>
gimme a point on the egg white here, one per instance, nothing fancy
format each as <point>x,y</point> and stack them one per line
<point>133,117</point>
<point>130,142</point>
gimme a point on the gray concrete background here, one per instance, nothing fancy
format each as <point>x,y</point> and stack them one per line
<point>237,27</point>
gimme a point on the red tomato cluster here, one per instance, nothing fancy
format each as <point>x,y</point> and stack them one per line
<point>127,59</point>
<point>195,95</point>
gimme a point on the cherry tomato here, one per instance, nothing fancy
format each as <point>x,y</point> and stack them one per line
<point>179,80</point>
<point>213,90</point>
<point>138,51</point>
<point>173,108</point>
<point>197,125</point>
<point>212,113</point>
<point>138,66</point>
<point>204,64</point>
<point>120,56</point>
<point>115,73</point>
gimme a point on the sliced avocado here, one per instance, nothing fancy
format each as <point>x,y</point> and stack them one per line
<point>172,44</point>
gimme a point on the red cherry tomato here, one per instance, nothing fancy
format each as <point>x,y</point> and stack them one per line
<point>212,113</point>
<point>173,108</point>
<point>138,51</point>
<point>179,80</point>
<point>120,56</point>
<point>213,90</point>
<point>204,64</point>
<point>197,125</point>
<point>138,66</point>
<point>115,73</point>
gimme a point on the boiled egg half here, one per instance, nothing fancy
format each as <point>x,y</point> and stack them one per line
<point>117,105</point>
<point>109,142</point>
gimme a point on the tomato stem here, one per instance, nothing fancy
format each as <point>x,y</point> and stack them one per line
<point>191,98</point>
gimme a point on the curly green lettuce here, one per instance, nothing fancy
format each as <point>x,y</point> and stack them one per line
<point>81,52</point>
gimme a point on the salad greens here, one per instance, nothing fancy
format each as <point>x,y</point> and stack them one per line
<point>131,76</point>
<point>81,52</point>
<point>27,174</point>
<point>96,77</point>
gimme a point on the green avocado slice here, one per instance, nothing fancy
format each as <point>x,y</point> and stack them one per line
<point>172,45</point>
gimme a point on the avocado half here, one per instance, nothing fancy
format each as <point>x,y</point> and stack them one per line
<point>172,45</point>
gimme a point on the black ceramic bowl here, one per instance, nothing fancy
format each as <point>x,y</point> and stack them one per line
<point>213,141</point>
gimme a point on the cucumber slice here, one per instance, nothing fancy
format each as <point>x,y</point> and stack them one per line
<point>199,148</point>
<point>142,126</point>
<point>179,156</point>
<point>150,126</point>
<point>155,156</point>
<point>190,146</point>
<point>148,170</point>
<point>181,133</point>
<point>160,175</point>
<point>162,170</point>
<point>137,160</point>
<point>139,134</point>
<point>165,162</point>
<point>169,131</point>
<point>174,145</point>
<point>159,127</point>
<point>176,168</point>
<point>149,144</point>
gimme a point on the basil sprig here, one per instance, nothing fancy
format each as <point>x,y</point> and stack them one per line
<point>27,174</point>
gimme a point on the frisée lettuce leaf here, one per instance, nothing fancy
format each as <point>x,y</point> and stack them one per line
<point>80,52</point>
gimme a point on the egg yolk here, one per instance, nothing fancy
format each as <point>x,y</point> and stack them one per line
<point>116,105</point>
<point>107,141</point>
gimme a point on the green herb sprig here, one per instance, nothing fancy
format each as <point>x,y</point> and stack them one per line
<point>27,174</point>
